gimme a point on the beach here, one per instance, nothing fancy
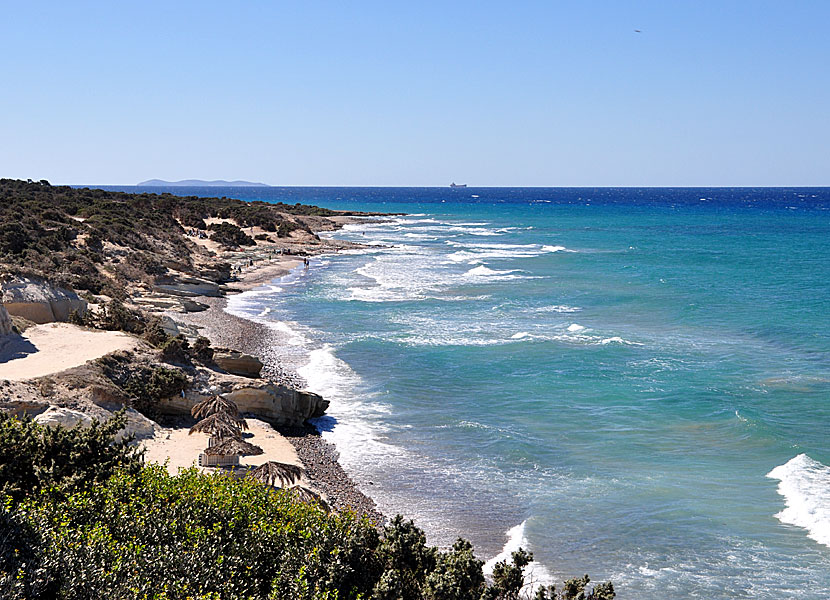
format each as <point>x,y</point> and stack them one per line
<point>318,457</point>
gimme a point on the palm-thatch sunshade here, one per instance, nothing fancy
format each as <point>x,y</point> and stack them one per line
<point>273,472</point>
<point>220,425</point>
<point>213,405</point>
<point>306,495</point>
<point>234,447</point>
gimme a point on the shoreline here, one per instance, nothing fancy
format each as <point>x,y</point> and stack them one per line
<point>319,457</point>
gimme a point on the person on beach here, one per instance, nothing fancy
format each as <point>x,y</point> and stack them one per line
<point>305,262</point>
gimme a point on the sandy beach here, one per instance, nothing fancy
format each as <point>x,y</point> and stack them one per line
<point>303,446</point>
<point>179,449</point>
<point>54,347</point>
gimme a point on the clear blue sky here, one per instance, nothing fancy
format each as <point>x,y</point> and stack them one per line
<point>417,93</point>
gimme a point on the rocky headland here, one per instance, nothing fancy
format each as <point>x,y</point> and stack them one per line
<point>96,318</point>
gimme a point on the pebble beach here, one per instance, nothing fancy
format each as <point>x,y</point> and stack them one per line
<point>319,457</point>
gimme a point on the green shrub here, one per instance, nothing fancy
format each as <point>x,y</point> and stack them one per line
<point>154,333</point>
<point>145,385</point>
<point>229,235</point>
<point>35,459</point>
<point>115,316</point>
<point>202,351</point>
<point>46,241</point>
<point>176,350</point>
<point>145,534</point>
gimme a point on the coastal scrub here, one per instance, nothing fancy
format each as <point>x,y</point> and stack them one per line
<point>142,533</point>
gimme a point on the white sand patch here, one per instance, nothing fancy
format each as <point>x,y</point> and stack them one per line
<point>183,450</point>
<point>54,347</point>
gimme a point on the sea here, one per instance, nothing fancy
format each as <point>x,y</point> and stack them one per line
<point>629,383</point>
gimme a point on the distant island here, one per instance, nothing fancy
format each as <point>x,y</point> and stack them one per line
<point>200,183</point>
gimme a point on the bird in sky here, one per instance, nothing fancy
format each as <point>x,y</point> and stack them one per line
<point>637,31</point>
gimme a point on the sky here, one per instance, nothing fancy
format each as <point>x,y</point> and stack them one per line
<point>708,93</point>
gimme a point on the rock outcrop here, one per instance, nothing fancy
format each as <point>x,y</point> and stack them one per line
<point>39,301</point>
<point>56,416</point>
<point>138,425</point>
<point>5,322</point>
<point>237,362</point>
<point>193,306</point>
<point>187,286</point>
<point>278,404</point>
<point>274,403</point>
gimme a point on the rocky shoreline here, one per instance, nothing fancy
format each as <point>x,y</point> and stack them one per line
<point>323,469</point>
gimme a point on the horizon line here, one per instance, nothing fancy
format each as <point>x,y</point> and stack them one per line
<point>468,186</point>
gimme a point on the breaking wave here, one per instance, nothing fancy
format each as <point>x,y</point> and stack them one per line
<point>805,486</point>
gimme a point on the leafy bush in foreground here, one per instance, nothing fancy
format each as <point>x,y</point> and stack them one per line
<point>35,459</point>
<point>141,533</point>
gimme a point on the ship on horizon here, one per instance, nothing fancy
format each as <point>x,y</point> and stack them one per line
<point>458,185</point>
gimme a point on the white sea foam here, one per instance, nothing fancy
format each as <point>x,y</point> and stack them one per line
<point>535,572</point>
<point>520,335</point>
<point>491,245</point>
<point>408,221</point>
<point>558,308</point>
<point>398,276</point>
<point>248,306</point>
<point>476,252</point>
<point>573,327</point>
<point>805,486</point>
<point>482,231</point>
<point>482,271</point>
<point>577,336</point>
<point>420,236</point>
<point>293,337</point>
<point>359,417</point>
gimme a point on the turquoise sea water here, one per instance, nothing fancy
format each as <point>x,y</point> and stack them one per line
<point>630,383</point>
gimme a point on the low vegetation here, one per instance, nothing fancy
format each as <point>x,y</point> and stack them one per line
<point>95,240</point>
<point>80,518</point>
<point>144,385</point>
<point>229,235</point>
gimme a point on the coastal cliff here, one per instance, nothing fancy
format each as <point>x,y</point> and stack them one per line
<point>277,404</point>
<point>38,301</point>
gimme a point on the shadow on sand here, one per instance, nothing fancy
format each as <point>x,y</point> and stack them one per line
<point>14,347</point>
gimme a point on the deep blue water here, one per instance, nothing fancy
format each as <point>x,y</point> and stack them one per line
<point>633,383</point>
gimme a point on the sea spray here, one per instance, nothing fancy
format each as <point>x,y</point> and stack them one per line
<point>535,573</point>
<point>805,486</point>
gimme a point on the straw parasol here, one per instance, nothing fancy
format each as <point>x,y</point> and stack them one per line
<point>220,425</point>
<point>213,405</point>
<point>272,472</point>
<point>306,495</point>
<point>234,447</point>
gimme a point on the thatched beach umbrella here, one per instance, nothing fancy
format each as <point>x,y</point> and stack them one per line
<point>220,425</point>
<point>234,447</point>
<point>213,405</point>
<point>303,494</point>
<point>272,472</point>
